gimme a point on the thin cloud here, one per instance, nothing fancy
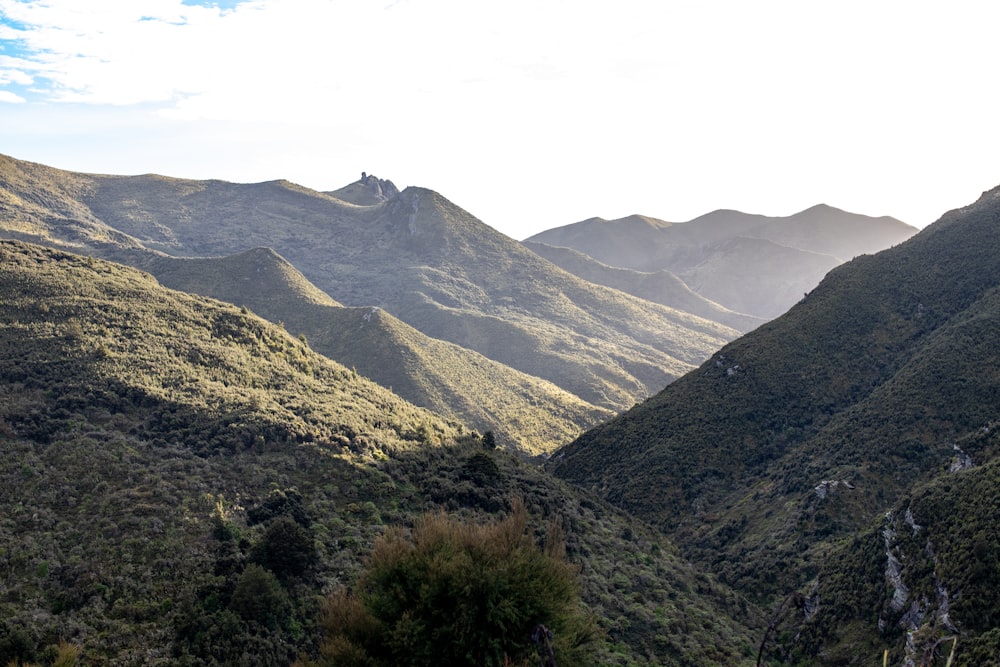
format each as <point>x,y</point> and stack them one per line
<point>665,107</point>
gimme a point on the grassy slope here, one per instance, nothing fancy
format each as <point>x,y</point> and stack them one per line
<point>869,380</point>
<point>662,287</point>
<point>418,256</point>
<point>140,425</point>
<point>526,413</point>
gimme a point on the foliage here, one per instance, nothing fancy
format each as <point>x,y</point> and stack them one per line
<point>150,440</point>
<point>285,548</point>
<point>259,597</point>
<point>459,594</point>
<point>866,383</point>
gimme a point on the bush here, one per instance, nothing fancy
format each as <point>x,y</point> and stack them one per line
<point>259,597</point>
<point>458,594</point>
<point>286,549</point>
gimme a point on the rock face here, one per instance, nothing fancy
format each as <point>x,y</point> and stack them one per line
<point>380,189</point>
<point>367,191</point>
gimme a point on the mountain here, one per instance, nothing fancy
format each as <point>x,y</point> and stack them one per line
<point>661,287</point>
<point>794,441</point>
<point>413,254</point>
<point>183,479</point>
<point>524,412</point>
<point>748,263</point>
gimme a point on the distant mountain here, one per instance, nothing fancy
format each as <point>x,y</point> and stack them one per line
<point>524,412</point>
<point>413,254</point>
<point>662,287</point>
<point>182,480</point>
<point>721,255</point>
<point>877,387</point>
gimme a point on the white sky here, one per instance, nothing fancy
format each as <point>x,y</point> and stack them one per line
<point>528,113</point>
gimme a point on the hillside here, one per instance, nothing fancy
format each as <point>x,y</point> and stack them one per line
<point>414,254</point>
<point>525,413</point>
<point>748,263</point>
<point>812,426</point>
<point>182,479</point>
<point>662,287</point>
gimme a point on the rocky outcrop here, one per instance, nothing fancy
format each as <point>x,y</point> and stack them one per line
<point>377,188</point>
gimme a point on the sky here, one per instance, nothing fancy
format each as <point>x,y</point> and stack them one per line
<point>530,114</point>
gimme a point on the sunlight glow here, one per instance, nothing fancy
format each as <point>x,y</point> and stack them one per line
<point>528,114</point>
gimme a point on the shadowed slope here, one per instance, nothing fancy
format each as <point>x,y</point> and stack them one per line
<point>870,379</point>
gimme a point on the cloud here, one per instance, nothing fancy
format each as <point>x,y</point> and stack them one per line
<point>11,98</point>
<point>758,100</point>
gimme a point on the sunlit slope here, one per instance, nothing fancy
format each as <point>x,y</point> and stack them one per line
<point>524,412</point>
<point>416,255</point>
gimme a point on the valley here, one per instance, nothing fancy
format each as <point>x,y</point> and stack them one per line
<point>755,440</point>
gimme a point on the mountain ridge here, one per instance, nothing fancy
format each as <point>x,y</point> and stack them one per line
<point>813,425</point>
<point>451,277</point>
<point>814,240</point>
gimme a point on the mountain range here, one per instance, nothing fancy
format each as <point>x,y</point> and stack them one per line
<point>819,488</point>
<point>752,264</point>
<point>412,254</point>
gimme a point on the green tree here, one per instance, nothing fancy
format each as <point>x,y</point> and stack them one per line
<point>286,548</point>
<point>259,597</point>
<point>455,593</point>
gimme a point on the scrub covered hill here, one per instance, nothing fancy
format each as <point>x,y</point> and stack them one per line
<point>524,412</point>
<point>183,480</point>
<point>810,428</point>
<point>412,253</point>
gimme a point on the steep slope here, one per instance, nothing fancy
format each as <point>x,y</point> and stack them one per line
<point>662,287</point>
<point>182,479</point>
<point>634,242</point>
<point>524,412</point>
<point>415,254</point>
<point>757,276</point>
<point>814,424</point>
<point>723,255</point>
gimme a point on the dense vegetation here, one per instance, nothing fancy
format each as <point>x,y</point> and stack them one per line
<point>183,480</point>
<point>526,413</point>
<point>456,593</point>
<point>814,425</point>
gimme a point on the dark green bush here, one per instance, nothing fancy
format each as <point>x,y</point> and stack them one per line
<point>259,597</point>
<point>286,549</point>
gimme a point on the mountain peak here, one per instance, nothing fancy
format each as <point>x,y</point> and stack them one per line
<point>367,191</point>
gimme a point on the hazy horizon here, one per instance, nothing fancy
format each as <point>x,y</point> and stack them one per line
<point>528,115</point>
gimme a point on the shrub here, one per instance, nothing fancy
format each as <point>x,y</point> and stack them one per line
<point>459,594</point>
<point>286,548</point>
<point>259,597</point>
